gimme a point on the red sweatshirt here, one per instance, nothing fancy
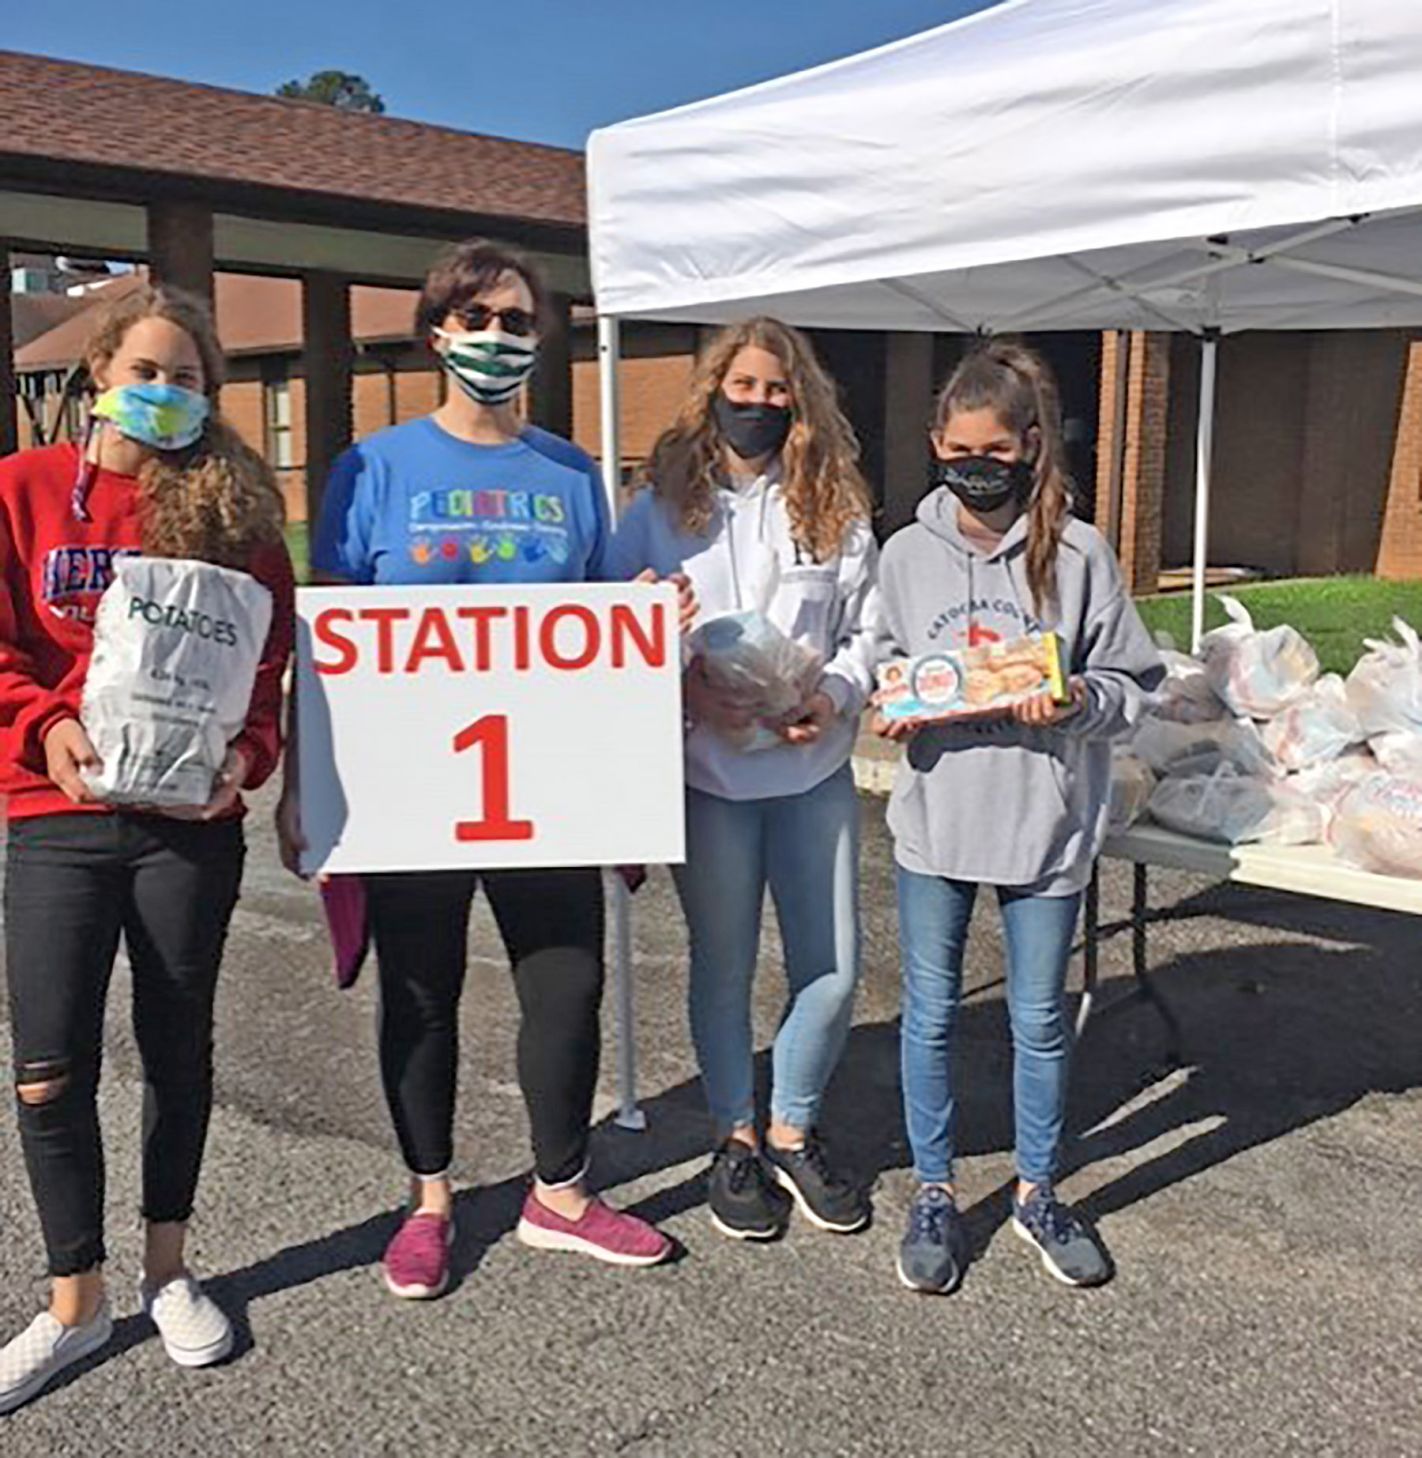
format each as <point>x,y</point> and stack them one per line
<point>53,570</point>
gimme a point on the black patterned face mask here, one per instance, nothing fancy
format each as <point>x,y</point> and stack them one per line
<point>984,483</point>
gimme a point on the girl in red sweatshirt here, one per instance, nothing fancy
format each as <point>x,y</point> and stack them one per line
<point>159,474</point>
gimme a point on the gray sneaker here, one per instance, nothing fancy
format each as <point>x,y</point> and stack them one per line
<point>1070,1250</point>
<point>194,1330</point>
<point>43,1350</point>
<point>934,1251</point>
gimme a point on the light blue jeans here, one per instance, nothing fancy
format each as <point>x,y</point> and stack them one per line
<point>933,930</point>
<point>806,847</point>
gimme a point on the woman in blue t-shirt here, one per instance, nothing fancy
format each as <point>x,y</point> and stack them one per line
<point>471,494</point>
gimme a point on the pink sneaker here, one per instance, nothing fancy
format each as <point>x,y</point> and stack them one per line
<point>416,1263</point>
<point>603,1233</point>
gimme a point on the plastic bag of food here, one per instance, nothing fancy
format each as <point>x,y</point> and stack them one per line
<point>1186,696</point>
<point>746,655</point>
<point>169,685</point>
<point>1399,752</point>
<point>1257,673</point>
<point>1132,783</point>
<point>1385,688</point>
<point>1326,784</point>
<point>1173,748</point>
<point>1378,826</point>
<point>1237,809</point>
<point>1318,726</point>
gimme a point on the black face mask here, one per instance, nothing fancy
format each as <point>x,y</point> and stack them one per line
<point>984,483</point>
<point>751,431</point>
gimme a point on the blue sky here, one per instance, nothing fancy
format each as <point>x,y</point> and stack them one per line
<point>545,70</point>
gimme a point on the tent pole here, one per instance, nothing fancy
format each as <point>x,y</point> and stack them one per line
<point>629,1116</point>
<point>1204,452</point>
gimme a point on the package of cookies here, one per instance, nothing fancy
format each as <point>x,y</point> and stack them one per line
<point>954,682</point>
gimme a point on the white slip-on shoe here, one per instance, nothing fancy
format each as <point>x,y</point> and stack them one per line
<point>194,1329</point>
<point>43,1350</point>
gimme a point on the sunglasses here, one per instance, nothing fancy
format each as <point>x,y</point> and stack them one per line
<point>475,317</point>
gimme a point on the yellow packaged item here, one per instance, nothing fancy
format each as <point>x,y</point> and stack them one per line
<point>954,682</point>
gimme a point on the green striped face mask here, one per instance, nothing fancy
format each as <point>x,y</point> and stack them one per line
<point>488,365</point>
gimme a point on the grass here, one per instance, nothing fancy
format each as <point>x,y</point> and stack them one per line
<point>1334,613</point>
<point>298,544</point>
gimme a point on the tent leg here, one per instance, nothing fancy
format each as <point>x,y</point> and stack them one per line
<point>1204,453</point>
<point>629,1116</point>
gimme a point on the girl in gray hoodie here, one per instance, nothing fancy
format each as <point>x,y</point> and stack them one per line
<point>1015,800</point>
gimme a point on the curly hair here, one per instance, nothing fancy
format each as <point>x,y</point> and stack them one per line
<point>1018,386</point>
<point>825,494</point>
<point>218,499</point>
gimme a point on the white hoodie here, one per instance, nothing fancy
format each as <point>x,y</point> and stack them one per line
<point>749,559</point>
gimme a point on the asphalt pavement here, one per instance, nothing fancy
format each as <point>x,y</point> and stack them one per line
<point>1260,1201</point>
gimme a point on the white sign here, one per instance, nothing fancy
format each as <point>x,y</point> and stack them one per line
<point>481,727</point>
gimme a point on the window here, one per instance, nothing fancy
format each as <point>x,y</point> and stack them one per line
<point>276,395</point>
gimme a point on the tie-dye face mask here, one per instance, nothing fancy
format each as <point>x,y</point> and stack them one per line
<point>166,417</point>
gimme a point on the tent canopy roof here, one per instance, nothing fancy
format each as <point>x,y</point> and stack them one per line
<point>1046,164</point>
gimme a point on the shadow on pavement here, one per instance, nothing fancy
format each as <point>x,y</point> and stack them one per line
<point>1280,1035</point>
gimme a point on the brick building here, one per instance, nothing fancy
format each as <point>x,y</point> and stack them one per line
<point>1317,457</point>
<point>393,376</point>
<point>310,226</point>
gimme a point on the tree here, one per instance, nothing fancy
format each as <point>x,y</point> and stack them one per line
<point>340,89</point>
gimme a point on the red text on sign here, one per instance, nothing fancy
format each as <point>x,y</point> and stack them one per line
<point>565,637</point>
<point>491,734</point>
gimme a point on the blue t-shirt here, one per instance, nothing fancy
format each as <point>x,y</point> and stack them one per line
<point>414,506</point>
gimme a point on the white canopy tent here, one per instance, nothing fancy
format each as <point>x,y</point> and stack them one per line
<point>1207,166</point>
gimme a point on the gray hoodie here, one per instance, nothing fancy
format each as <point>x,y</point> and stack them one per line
<point>998,802</point>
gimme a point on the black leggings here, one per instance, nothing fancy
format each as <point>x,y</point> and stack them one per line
<point>73,885</point>
<point>552,927</point>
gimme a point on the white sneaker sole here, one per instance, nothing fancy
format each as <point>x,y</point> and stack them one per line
<point>537,1238</point>
<point>1021,1231</point>
<point>732,1233</point>
<point>418,1292</point>
<point>19,1396</point>
<point>414,1293</point>
<point>913,1286</point>
<point>214,1352</point>
<point>803,1205</point>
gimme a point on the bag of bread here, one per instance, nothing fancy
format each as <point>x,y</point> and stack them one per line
<point>1186,696</point>
<point>1237,809</point>
<point>1318,726</point>
<point>1385,689</point>
<point>1378,826</point>
<point>1173,748</point>
<point>1257,672</point>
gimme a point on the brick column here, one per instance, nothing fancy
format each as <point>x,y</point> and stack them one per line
<point>9,404</point>
<point>1134,431</point>
<point>550,392</point>
<point>1111,433</point>
<point>326,364</point>
<point>908,412</point>
<point>180,246</point>
<point>1400,550</point>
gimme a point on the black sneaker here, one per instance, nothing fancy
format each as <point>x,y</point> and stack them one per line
<point>746,1204</point>
<point>824,1199</point>
<point>934,1250</point>
<point>1070,1250</point>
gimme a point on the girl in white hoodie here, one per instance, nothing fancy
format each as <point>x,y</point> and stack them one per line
<point>755,493</point>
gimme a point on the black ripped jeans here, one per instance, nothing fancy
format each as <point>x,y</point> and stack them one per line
<point>73,885</point>
<point>552,928</point>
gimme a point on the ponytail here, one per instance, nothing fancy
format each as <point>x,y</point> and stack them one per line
<point>1017,385</point>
